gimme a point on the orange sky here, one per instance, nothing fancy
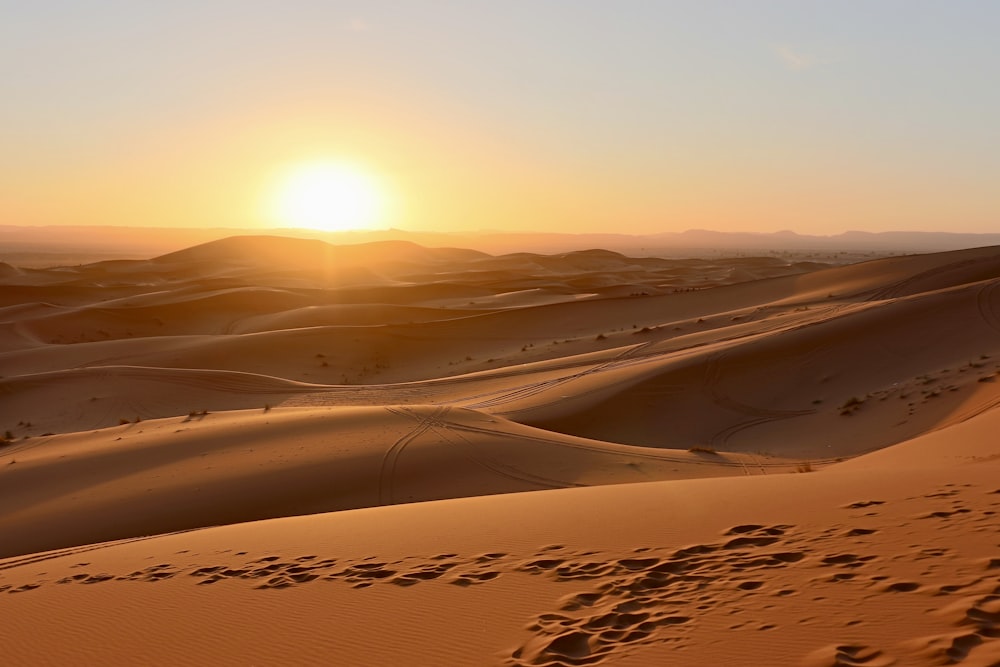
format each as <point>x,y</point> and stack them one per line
<point>568,117</point>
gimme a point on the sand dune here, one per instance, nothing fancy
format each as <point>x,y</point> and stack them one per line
<point>877,565</point>
<point>207,469</point>
<point>317,454</point>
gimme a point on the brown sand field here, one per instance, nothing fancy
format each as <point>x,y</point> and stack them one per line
<point>265,450</point>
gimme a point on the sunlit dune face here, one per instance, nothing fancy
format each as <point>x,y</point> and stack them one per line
<point>329,197</point>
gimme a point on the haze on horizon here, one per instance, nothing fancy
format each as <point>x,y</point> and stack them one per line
<point>561,116</point>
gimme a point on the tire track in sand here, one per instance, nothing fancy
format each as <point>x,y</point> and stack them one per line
<point>390,459</point>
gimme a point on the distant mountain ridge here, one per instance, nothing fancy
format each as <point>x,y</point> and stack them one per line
<point>147,242</point>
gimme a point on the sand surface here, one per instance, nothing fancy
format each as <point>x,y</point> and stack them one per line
<point>279,451</point>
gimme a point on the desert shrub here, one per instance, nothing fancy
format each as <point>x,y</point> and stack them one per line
<point>851,404</point>
<point>698,449</point>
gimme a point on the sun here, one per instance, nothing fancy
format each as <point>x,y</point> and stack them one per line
<point>329,196</point>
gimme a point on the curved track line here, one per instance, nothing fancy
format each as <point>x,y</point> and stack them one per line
<point>502,469</point>
<point>894,290</point>
<point>759,416</point>
<point>984,303</point>
<point>594,448</point>
<point>713,377</point>
<point>30,559</point>
<point>387,470</point>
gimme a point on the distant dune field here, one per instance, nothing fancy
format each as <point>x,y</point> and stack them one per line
<point>268,450</point>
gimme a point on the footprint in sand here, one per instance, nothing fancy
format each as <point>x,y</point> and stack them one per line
<point>847,655</point>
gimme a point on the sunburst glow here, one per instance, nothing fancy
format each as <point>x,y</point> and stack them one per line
<point>329,196</point>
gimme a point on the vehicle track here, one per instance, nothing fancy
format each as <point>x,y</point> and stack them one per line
<point>535,388</point>
<point>502,469</point>
<point>652,453</point>
<point>898,288</point>
<point>713,377</point>
<point>387,469</point>
<point>29,559</point>
<point>985,304</point>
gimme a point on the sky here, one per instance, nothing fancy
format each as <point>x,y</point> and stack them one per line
<point>633,116</point>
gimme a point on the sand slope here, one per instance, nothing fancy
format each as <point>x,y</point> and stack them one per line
<point>207,469</point>
<point>881,565</point>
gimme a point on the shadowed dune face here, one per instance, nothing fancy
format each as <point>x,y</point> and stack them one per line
<point>662,413</point>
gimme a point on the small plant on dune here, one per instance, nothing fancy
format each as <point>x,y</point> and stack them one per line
<point>267,407</point>
<point>698,449</point>
<point>8,435</point>
<point>601,337</point>
<point>851,405</point>
<point>122,421</point>
<point>804,467</point>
